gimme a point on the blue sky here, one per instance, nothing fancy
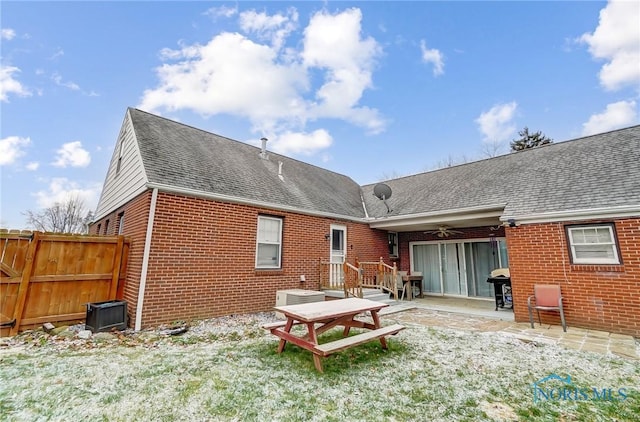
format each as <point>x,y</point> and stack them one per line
<point>372,90</point>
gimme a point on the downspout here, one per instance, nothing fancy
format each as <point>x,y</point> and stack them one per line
<point>145,259</point>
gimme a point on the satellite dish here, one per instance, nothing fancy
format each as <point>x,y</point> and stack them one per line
<point>382,191</point>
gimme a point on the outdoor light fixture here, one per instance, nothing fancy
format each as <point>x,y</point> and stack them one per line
<point>512,222</point>
<point>327,236</point>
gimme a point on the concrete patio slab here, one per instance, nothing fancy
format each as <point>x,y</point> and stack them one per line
<point>479,315</point>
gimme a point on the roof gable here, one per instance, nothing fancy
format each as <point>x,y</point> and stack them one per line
<point>126,176</point>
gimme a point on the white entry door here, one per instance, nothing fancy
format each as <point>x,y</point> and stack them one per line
<point>338,251</point>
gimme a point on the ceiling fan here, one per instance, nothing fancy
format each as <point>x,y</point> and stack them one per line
<point>444,231</point>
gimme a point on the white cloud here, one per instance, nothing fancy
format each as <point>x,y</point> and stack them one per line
<point>9,85</point>
<point>230,74</point>
<point>58,81</point>
<point>61,189</point>
<point>301,143</point>
<point>11,148</point>
<point>268,84</point>
<point>617,40</point>
<point>333,43</point>
<point>275,28</point>
<point>59,53</point>
<point>615,116</point>
<point>72,154</point>
<point>433,56</point>
<point>32,166</point>
<point>497,124</point>
<point>221,12</point>
<point>7,34</point>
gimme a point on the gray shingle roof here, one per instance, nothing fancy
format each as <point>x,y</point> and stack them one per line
<point>598,171</point>
<point>181,156</point>
<point>592,172</point>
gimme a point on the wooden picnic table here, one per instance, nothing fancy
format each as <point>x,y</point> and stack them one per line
<point>319,317</point>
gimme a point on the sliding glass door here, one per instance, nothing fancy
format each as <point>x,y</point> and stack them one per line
<point>426,258</point>
<point>458,268</point>
<point>480,262</point>
<point>452,268</point>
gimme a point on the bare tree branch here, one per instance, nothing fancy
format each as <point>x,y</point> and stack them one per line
<point>69,216</point>
<point>492,149</point>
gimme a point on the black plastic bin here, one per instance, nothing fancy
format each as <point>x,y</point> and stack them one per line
<point>105,316</point>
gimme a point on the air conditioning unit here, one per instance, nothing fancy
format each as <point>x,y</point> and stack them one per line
<point>296,297</point>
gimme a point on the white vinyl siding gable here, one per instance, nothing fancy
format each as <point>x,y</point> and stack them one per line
<point>593,245</point>
<point>126,177</point>
<point>269,242</point>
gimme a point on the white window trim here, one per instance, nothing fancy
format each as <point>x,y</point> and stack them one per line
<point>279,243</point>
<point>120,223</point>
<point>593,261</point>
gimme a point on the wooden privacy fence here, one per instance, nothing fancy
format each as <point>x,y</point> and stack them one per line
<point>49,277</point>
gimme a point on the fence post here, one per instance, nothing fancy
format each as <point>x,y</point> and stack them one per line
<point>24,283</point>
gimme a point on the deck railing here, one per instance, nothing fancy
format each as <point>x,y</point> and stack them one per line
<point>379,275</point>
<point>352,281</point>
<point>353,278</point>
<point>331,276</point>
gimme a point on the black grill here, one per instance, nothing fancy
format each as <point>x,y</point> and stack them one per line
<point>502,291</point>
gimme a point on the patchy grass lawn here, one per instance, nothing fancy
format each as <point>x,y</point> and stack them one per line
<point>227,369</point>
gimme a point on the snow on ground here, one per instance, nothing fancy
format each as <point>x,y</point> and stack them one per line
<point>227,369</point>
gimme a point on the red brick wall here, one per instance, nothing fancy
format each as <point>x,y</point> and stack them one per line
<point>202,261</point>
<point>135,228</point>
<point>601,297</point>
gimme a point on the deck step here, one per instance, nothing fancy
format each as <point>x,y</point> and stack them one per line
<point>378,297</point>
<point>344,343</point>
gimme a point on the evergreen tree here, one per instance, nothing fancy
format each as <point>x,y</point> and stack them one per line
<point>529,140</point>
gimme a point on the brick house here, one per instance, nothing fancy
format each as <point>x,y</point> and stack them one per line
<point>218,226</point>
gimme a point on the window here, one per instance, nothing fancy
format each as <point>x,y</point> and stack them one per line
<point>106,227</point>
<point>269,242</point>
<point>393,244</point>
<point>120,222</point>
<point>593,244</point>
<point>119,163</point>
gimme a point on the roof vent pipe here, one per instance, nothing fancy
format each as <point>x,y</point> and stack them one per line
<point>280,171</point>
<point>263,152</point>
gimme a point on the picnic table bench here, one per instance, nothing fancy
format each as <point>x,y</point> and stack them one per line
<point>319,317</point>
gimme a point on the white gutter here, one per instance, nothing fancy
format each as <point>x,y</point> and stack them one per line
<point>145,259</point>
<point>583,214</point>
<point>438,217</point>
<point>244,201</point>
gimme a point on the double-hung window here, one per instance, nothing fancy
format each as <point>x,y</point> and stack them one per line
<point>393,244</point>
<point>269,242</point>
<point>593,244</point>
